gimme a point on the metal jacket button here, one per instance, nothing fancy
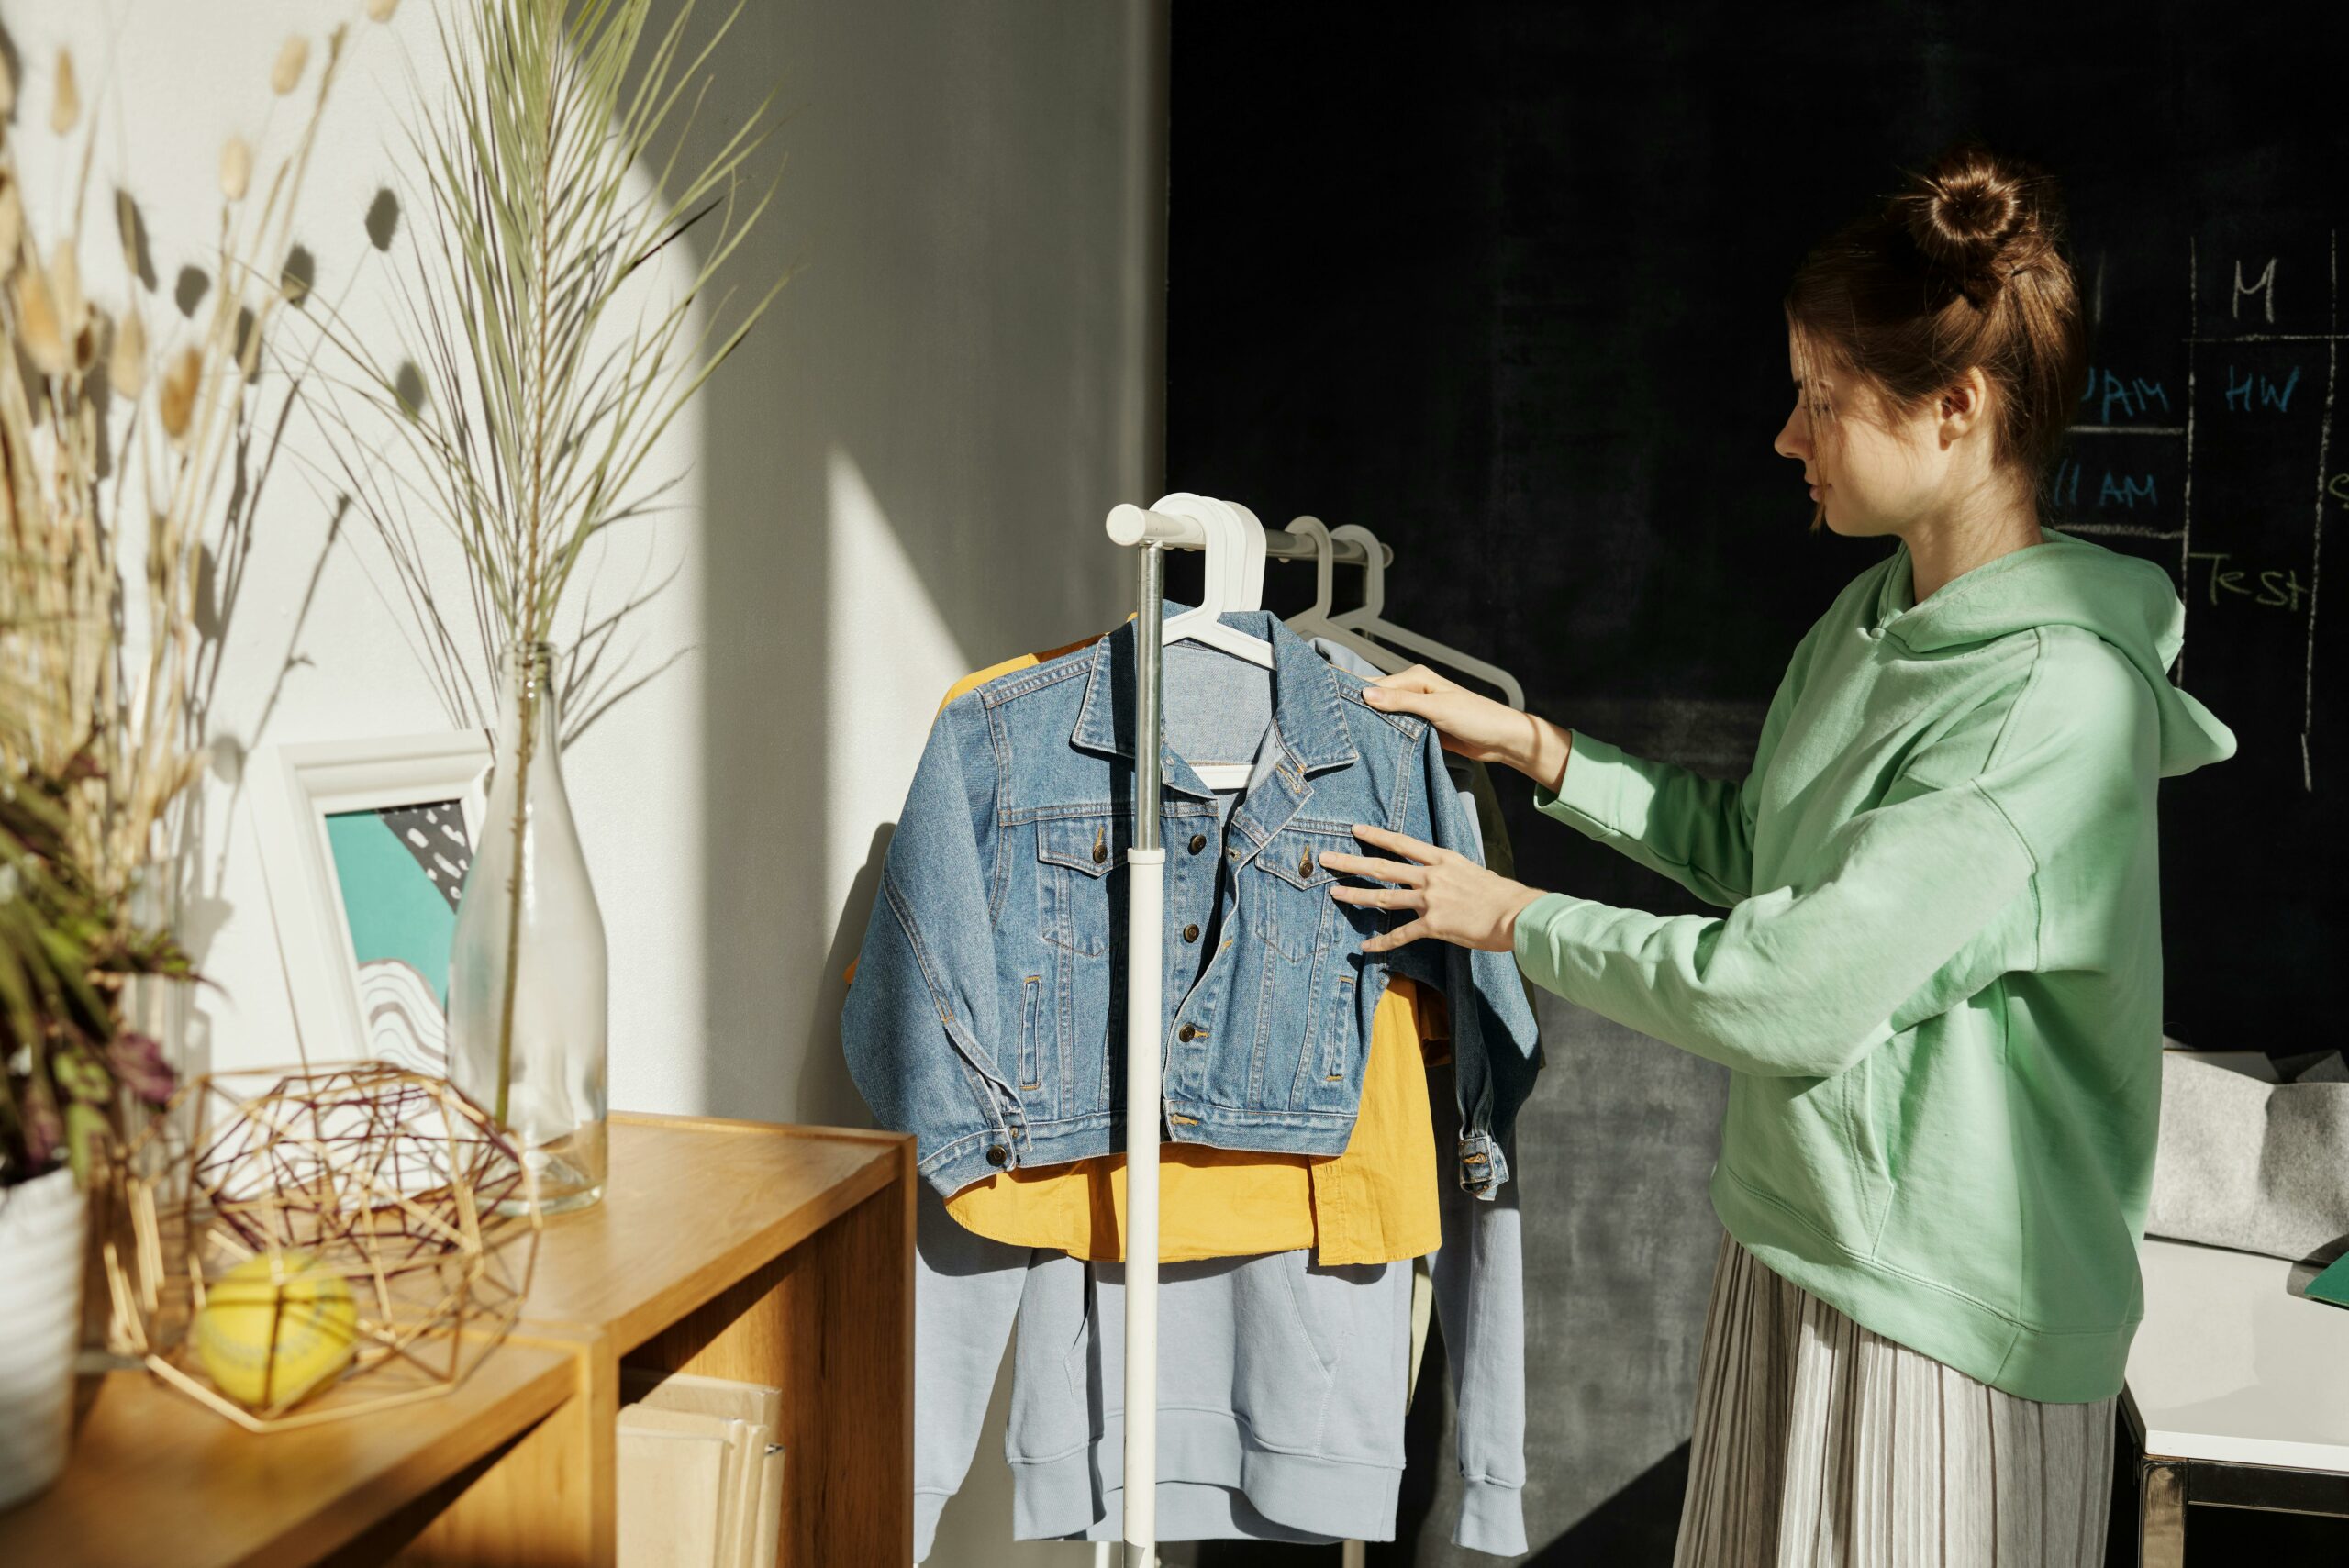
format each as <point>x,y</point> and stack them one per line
<point>1191,933</point>
<point>997,1154</point>
<point>1100,847</point>
<point>1198,843</point>
<point>1186,1032</point>
<point>1305,863</point>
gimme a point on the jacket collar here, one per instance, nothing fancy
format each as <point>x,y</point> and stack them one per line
<point>1305,716</point>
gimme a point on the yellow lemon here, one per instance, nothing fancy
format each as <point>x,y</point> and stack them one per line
<point>275,1327</point>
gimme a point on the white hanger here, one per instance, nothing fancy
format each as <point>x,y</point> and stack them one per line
<point>1234,580</point>
<point>1365,618</point>
<point>1316,621</point>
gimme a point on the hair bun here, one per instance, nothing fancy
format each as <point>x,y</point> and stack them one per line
<point>1974,218</point>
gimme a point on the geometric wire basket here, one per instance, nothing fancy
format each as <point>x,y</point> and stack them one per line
<point>386,1179</point>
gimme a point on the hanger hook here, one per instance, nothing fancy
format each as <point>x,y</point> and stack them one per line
<point>1325,561</point>
<point>1373,578</point>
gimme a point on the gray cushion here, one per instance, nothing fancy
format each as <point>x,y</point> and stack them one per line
<point>2259,1167</point>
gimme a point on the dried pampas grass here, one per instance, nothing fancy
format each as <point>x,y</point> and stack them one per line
<point>114,521</point>
<point>127,359</point>
<point>236,168</point>
<point>66,106</point>
<point>38,333</point>
<point>292,57</point>
<point>176,406</point>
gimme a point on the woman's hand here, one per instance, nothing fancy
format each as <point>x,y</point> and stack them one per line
<point>1456,900</point>
<point>1476,725</point>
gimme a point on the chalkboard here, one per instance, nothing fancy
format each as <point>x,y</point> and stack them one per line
<point>1503,283</point>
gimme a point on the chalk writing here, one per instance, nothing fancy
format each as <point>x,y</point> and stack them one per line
<point>2134,397</point>
<point>2263,285</point>
<point>2240,393</point>
<point>2279,586</point>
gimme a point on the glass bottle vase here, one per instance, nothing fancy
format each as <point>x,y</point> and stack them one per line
<point>526,965</point>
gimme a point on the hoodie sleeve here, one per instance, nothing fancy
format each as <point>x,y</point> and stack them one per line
<point>1805,979</point>
<point>1696,830</point>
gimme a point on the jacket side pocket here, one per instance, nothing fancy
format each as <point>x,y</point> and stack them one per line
<point>1028,989</point>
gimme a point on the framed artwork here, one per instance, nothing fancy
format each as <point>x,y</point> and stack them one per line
<point>364,846</point>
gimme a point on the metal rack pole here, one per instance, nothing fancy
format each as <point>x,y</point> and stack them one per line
<point>1145,938</point>
<point>1153,533</point>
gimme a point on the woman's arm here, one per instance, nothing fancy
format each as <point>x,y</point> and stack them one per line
<point>1696,830</point>
<point>1906,907</point>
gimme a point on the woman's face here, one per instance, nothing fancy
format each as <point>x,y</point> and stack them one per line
<point>1870,477</point>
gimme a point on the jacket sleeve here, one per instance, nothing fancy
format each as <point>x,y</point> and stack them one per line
<point>1696,830</point>
<point>1804,980</point>
<point>966,1294</point>
<point>1493,1034</point>
<point>919,1027</point>
<point>1479,1279</point>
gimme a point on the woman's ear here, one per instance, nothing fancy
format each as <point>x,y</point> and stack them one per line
<point>1967,401</point>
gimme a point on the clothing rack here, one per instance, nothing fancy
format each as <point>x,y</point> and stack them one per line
<point>1156,532</point>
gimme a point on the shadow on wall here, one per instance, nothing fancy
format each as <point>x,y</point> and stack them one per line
<point>941,405</point>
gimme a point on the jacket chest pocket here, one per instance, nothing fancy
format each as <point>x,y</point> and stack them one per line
<point>1075,902</point>
<point>1289,889</point>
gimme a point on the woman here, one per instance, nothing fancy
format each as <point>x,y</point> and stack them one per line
<point>1938,983</point>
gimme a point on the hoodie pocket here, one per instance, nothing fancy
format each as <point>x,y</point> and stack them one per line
<point>1871,1170</point>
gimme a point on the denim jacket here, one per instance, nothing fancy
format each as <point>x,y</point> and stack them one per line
<point>988,1017</point>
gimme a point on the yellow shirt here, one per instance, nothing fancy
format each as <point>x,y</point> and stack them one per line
<point>1374,1203</point>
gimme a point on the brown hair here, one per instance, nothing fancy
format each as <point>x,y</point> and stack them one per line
<point>1963,266</point>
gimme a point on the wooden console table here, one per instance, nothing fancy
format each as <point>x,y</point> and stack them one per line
<point>778,1254</point>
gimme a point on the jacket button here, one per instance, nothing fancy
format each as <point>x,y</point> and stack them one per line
<point>1100,848</point>
<point>1198,843</point>
<point>1305,863</point>
<point>997,1154</point>
<point>1186,1032</point>
<point>1191,933</point>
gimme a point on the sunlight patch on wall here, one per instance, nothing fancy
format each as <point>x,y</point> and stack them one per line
<point>890,658</point>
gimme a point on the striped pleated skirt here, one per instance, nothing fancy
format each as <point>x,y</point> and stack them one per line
<point>1820,1444</point>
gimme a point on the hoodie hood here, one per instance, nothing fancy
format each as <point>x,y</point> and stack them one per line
<point>2067,580</point>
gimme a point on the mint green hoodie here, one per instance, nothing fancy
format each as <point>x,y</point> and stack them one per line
<point>1938,985</point>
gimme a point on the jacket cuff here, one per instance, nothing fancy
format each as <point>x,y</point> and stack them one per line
<point>1492,1518</point>
<point>1586,796</point>
<point>1483,1166</point>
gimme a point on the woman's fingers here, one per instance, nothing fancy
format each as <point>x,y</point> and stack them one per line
<point>1370,866</point>
<point>1402,844</point>
<point>1379,897</point>
<point>1417,678</point>
<point>1409,932</point>
<point>1465,721</point>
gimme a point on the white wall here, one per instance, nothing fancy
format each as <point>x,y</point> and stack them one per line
<point>899,478</point>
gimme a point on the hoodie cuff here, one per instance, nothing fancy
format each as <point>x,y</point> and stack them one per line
<point>928,1507</point>
<point>1492,1518</point>
<point>1586,797</point>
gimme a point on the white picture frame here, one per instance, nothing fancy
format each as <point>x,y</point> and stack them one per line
<point>296,790</point>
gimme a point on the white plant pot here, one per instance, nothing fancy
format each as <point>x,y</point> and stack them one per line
<point>41,1238</point>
